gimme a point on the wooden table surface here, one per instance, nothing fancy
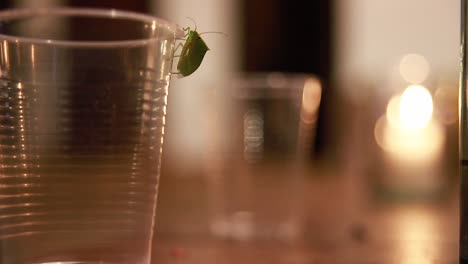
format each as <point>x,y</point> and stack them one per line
<point>343,220</point>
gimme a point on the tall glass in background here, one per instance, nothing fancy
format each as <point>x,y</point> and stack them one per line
<point>82,107</point>
<point>257,182</point>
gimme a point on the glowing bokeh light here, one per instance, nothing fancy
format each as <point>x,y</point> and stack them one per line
<point>410,145</point>
<point>393,110</point>
<point>408,130</point>
<point>311,96</point>
<point>414,68</point>
<point>416,107</point>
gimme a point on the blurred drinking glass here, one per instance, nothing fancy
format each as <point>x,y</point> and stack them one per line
<point>269,137</point>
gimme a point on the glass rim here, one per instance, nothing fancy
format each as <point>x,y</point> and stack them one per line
<point>19,13</point>
<point>275,80</point>
<point>271,84</point>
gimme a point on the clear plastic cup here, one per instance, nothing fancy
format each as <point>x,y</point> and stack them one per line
<point>82,108</point>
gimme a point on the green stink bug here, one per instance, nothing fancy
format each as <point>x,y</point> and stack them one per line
<point>193,52</point>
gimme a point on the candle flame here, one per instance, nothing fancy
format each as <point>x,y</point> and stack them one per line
<point>416,107</point>
<point>409,130</point>
<point>412,110</point>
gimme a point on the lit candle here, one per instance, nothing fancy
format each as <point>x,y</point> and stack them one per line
<point>413,139</point>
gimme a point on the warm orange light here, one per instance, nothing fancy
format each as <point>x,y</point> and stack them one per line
<point>393,111</point>
<point>415,107</point>
<point>412,110</point>
<point>311,96</point>
<point>415,229</point>
<point>408,130</point>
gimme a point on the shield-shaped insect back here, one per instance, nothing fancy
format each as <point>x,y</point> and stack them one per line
<point>193,52</point>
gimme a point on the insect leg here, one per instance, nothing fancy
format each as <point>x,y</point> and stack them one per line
<point>176,56</point>
<point>175,49</point>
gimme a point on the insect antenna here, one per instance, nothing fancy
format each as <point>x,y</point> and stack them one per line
<point>194,23</point>
<point>213,32</point>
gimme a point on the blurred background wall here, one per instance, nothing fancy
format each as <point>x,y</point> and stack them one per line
<point>373,36</point>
